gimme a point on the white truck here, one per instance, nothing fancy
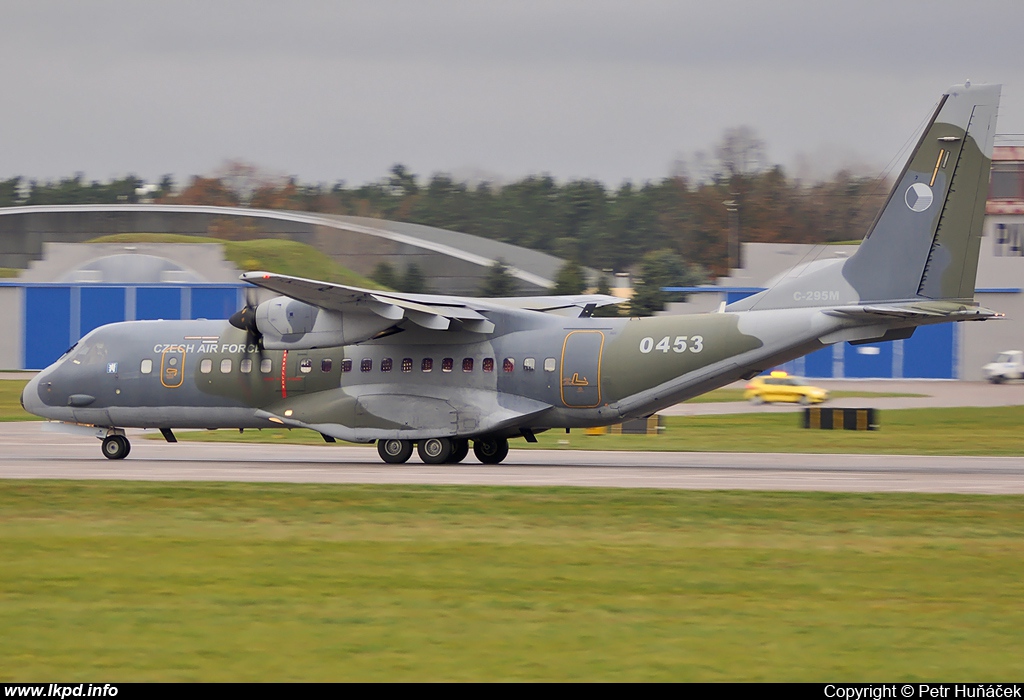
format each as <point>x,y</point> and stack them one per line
<point>1007,365</point>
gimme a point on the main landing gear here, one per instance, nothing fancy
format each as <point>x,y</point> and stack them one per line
<point>443,450</point>
<point>116,447</point>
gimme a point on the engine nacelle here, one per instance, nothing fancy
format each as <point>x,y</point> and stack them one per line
<point>287,324</point>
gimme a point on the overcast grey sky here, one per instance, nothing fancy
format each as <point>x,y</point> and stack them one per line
<point>331,90</point>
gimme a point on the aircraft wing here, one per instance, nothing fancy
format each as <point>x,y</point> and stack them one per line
<point>432,311</point>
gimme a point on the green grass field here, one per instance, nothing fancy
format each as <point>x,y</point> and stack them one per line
<point>268,582</point>
<point>10,401</point>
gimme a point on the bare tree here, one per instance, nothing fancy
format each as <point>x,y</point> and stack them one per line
<point>740,152</point>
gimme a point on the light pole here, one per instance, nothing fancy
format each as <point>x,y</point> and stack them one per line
<point>733,208</point>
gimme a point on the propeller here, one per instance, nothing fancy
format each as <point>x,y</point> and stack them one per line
<point>245,320</point>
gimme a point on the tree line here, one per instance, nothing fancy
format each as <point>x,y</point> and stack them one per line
<point>612,229</point>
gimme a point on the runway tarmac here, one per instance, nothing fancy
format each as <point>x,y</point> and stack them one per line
<point>28,453</point>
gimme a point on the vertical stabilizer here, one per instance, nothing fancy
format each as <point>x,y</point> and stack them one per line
<point>926,240</point>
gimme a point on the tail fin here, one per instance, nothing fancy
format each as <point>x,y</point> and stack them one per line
<point>926,240</point>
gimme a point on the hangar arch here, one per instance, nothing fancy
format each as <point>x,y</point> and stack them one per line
<point>457,261</point>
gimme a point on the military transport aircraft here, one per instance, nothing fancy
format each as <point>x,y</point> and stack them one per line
<point>437,372</point>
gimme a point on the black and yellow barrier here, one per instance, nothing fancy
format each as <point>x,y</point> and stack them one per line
<point>841,418</point>
<point>638,426</point>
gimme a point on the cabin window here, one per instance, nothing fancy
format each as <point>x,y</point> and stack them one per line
<point>447,364</point>
<point>407,364</point>
<point>508,364</point>
<point>225,366</point>
<point>346,365</point>
<point>306,366</point>
<point>488,365</point>
<point>385,364</point>
<point>549,364</point>
<point>206,366</point>
<point>467,364</point>
<point>529,364</point>
<point>366,365</point>
<point>147,366</point>
<point>245,366</point>
<point>427,364</point>
<point>326,365</point>
<point>266,365</point>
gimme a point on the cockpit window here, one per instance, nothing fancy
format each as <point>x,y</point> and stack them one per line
<point>89,352</point>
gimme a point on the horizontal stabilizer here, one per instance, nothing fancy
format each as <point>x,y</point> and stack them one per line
<point>918,311</point>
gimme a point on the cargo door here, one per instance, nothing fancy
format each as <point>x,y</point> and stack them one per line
<point>581,369</point>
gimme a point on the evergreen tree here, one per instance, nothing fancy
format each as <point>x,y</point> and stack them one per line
<point>414,282</point>
<point>498,283</point>
<point>9,192</point>
<point>611,310</point>
<point>570,279</point>
<point>661,268</point>
<point>384,275</point>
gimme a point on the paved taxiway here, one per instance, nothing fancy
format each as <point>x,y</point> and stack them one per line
<point>28,453</point>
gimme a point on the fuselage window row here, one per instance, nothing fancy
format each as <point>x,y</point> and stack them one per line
<point>245,365</point>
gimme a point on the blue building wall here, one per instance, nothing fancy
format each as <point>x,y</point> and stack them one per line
<point>57,315</point>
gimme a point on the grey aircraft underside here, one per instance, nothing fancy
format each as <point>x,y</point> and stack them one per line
<point>436,372</point>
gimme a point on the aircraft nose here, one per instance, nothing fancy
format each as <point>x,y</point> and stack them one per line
<point>30,400</point>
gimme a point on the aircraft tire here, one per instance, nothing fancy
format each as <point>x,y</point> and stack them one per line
<point>460,448</point>
<point>394,451</point>
<point>116,447</point>
<point>434,450</point>
<point>490,451</point>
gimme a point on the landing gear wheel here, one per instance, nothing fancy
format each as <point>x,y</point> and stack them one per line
<point>116,447</point>
<point>460,448</point>
<point>491,451</point>
<point>434,450</point>
<point>395,451</point>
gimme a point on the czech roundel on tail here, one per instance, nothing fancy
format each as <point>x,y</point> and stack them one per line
<point>437,373</point>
